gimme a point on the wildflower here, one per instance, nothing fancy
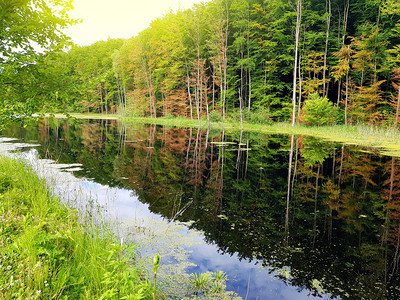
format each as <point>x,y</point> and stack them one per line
<point>9,267</point>
<point>38,292</point>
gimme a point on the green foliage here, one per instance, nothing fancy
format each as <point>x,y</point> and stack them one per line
<point>46,253</point>
<point>318,110</point>
<point>215,116</point>
<point>169,116</point>
<point>156,265</point>
<point>210,286</point>
<point>260,116</point>
<point>23,24</point>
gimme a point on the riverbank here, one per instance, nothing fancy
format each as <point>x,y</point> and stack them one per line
<point>46,253</point>
<point>385,139</point>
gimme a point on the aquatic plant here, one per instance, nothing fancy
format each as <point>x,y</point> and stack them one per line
<point>210,285</point>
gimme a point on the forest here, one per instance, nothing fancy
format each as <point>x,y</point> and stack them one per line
<point>316,62</point>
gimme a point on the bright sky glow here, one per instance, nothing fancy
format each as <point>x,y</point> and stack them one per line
<point>103,19</point>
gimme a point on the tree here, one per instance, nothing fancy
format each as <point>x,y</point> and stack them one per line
<point>24,24</point>
<point>296,52</point>
<point>343,69</point>
<point>318,110</point>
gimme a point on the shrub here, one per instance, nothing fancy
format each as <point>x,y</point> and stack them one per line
<point>169,116</point>
<point>318,110</point>
<point>215,116</point>
<point>260,116</point>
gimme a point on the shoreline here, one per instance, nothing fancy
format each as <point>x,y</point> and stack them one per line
<point>387,140</point>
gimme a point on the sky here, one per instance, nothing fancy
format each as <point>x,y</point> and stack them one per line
<point>103,19</point>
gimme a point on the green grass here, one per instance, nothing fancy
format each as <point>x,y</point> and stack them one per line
<point>81,116</point>
<point>386,139</point>
<point>45,253</point>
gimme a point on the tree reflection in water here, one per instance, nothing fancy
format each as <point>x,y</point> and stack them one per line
<point>247,191</point>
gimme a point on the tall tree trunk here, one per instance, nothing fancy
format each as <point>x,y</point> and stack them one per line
<point>149,90</point>
<point>300,88</point>
<point>213,89</point>
<point>189,95</point>
<point>347,98</point>
<point>241,78</point>
<point>225,61</point>
<point>328,23</point>
<point>345,20</point>
<point>249,91</point>
<point>397,109</point>
<point>124,97</point>
<point>106,100</point>
<point>241,109</point>
<point>153,96</point>
<point>298,21</point>
<point>339,92</point>
<point>207,110</point>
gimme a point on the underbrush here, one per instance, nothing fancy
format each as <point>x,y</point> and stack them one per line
<point>46,253</point>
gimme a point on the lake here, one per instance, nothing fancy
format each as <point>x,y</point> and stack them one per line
<point>285,217</point>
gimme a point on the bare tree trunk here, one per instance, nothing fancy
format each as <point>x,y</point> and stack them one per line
<point>125,97</point>
<point>207,111</point>
<point>101,100</point>
<point>149,90</point>
<point>119,94</point>
<point>241,109</point>
<point>197,105</point>
<point>339,91</point>
<point>345,20</point>
<point>328,23</point>
<point>225,60</point>
<point>347,98</point>
<point>298,21</point>
<point>106,100</point>
<point>189,95</point>
<point>213,89</point>
<point>154,97</point>
<point>300,87</point>
<point>397,109</point>
<point>249,91</point>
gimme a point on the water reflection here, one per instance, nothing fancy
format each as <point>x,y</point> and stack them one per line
<point>321,217</point>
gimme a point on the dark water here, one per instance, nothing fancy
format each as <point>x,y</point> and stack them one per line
<point>331,229</point>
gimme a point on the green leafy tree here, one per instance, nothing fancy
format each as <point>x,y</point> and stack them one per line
<point>318,110</point>
<point>25,27</point>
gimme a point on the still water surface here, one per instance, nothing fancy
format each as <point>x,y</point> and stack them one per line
<point>327,227</point>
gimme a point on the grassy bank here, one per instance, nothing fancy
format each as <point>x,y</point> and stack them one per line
<point>46,253</point>
<point>386,139</point>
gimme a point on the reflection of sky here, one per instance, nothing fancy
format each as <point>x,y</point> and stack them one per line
<point>122,203</point>
<point>244,277</point>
